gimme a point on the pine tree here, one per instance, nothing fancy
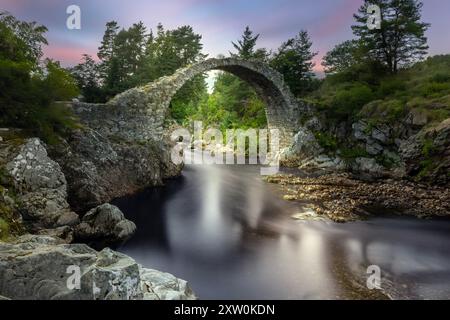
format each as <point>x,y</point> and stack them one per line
<point>106,49</point>
<point>294,61</point>
<point>401,39</point>
<point>87,76</point>
<point>246,47</point>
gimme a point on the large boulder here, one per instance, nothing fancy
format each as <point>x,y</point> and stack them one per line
<point>100,168</point>
<point>427,154</point>
<point>157,285</point>
<point>32,169</point>
<point>304,148</point>
<point>41,268</point>
<point>41,185</point>
<point>105,223</point>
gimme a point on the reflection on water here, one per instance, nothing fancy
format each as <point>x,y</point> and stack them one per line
<point>230,235</point>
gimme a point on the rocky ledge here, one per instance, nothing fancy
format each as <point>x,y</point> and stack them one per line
<point>341,198</point>
<point>38,225</point>
<point>42,267</point>
<point>100,168</point>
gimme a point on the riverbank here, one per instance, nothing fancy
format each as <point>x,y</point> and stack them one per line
<point>342,198</point>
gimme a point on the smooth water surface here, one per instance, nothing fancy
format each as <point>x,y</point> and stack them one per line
<point>232,237</point>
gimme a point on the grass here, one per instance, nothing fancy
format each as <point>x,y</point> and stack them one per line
<point>4,230</point>
<point>388,98</point>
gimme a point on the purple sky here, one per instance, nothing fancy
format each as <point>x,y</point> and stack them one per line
<point>219,21</point>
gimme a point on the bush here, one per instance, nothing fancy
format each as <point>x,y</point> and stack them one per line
<point>390,87</point>
<point>441,77</point>
<point>434,89</point>
<point>350,154</point>
<point>348,102</point>
<point>326,141</point>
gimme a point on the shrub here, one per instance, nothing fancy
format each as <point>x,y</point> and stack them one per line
<point>348,102</point>
<point>326,141</point>
<point>434,89</point>
<point>390,87</point>
<point>441,77</point>
<point>350,154</point>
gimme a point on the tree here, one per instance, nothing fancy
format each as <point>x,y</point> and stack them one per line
<point>58,83</point>
<point>122,54</point>
<point>401,39</point>
<point>87,75</point>
<point>246,47</point>
<point>341,57</point>
<point>234,103</point>
<point>294,61</point>
<point>29,36</point>
<point>28,89</point>
<point>106,49</point>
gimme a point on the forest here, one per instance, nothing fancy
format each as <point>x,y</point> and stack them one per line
<point>382,70</point>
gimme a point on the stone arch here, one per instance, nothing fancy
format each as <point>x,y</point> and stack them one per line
<point>140,113</point>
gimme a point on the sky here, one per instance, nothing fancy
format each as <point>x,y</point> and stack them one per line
<point>218,21</point>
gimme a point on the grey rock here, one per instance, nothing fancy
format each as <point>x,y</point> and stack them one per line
<point>412,153</point>
<point>314,124</point>
<point>105,222</point>
<point>417,117</point>
<point>305,145</point>
<point>379,135</point>
<point>368,165</point>
<point>65,234</point>
<point>99,169</point>
<point>359,131</point>
<point>324,162</point>
<point>40,268</point>
<point>41,185</point>
<point>33,170</point>
<point>157,285</point>
<point>373,148</point>
<point>68,218</point>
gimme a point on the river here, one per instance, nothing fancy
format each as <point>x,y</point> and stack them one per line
<point>232,237</point>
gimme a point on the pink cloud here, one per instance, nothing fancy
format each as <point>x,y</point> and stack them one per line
<point>69,56</point>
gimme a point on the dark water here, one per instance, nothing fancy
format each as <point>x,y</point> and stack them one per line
<point>231,236</point>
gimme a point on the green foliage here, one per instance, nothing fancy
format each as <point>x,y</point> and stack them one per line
<point>294,61</point>
<point>28,91</point>
<point>326,141</point>
<point>232,104</point>
<point>53,122</point>
<point>428,148</point>
<point>350,154</point>
<point>58,84</point>
<point>133,57</point>
<point>391,86</point>
<point>21,40</point>
<point>4,230</point>
<point>341,58</point>
<point>401,39</point>
<point>10,225</point>
<point>246,46</point>
<point>387,98</point>
<point>434,89</point>
<point>87,75</point>
<point>348,101</point>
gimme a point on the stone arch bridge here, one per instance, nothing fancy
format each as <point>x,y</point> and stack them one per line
<point>139,114</point>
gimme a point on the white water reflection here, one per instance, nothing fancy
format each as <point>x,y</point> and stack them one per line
<point>231,236</point>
